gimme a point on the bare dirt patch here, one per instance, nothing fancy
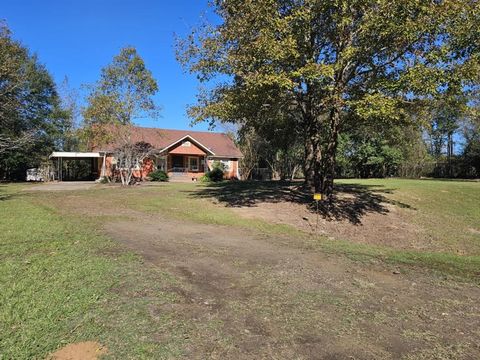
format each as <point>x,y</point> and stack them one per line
<point>88,350</point>
<point>63,186</point>
<point>358,213</point>
<point>276,299</point>
<point>388,228</point>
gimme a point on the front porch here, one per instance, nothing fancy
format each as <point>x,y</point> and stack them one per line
<point>183,167</point>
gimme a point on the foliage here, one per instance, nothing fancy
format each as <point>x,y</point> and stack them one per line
<point>158,175</point>
<point>31,117</point>
<point>123,93</point>
<point>216,173</point>
<point>367,158</point>
<point>282,154</point>
<point>325,64</point>
<point>129,154</point>
<point>250,144</point>
<point>471,151</point>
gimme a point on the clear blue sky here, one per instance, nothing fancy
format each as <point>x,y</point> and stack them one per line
<point>76,38</point>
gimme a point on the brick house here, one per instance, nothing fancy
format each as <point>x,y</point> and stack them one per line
<point>183,154</point>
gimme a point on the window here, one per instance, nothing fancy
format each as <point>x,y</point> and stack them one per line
<point>186,143</point>
<point>162,163</point>
<point>226,164</point>
<point>136,164</point>
<point>193,163</point>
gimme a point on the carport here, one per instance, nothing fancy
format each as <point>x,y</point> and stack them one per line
<point>77,166</point>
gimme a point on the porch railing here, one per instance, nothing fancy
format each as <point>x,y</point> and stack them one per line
<point>181,169</point>
<point>177,169</point>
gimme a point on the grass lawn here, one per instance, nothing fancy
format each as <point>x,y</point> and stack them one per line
<point>449,210</point>
<point>63,280</point>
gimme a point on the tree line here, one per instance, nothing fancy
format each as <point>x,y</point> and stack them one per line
<point>32,120</point>
<point>411,151</point>
<point>37,116</point>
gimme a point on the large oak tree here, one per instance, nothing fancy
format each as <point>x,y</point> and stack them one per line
<point>323,63</point>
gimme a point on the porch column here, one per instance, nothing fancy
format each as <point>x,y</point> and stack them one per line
<point>207,166</point>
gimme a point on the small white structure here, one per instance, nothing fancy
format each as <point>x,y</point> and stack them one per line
<point>34,175</point>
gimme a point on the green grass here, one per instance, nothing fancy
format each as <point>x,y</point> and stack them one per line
<point>462,267</point>
<point>448,210</point>
<point>445,209</point>
<point>62,282</point>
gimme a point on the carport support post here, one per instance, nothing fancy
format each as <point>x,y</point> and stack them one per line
<point>59,171</point>
<point>102,173</point>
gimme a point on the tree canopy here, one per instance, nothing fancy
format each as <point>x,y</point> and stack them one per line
<point>323,65</point>
<point>31,117</point>
<point>123,94</point>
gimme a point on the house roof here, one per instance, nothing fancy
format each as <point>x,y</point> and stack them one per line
<point>200,147</point>
<point>218,144</point>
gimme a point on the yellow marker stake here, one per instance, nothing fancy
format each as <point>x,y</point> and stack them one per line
<point>317,197</point>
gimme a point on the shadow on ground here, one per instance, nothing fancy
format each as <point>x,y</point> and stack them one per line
<point>351,201</point>
<point>4,195</point>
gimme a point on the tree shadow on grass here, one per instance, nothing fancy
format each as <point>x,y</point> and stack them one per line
<point>5,195</point>
<point>350,202</point>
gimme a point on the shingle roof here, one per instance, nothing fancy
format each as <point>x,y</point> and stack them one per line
<point>219,143</point>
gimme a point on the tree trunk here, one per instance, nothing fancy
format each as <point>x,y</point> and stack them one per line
<point>312,153</point>
<point>246,173</point>
<point>294,171</point>
<point>308,163</point>
<point>122,177</point>
<point>449,153</point>
<point>326,167</point>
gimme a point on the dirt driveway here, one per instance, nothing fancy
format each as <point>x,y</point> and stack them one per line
<point>277,300</point>
<point>274,297</point>
<point>63,186</point>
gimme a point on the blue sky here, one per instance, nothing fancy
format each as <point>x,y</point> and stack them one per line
<point>77,38</point>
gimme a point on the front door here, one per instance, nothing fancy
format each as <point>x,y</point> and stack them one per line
<point>177,163</point>
<point>193,163</point>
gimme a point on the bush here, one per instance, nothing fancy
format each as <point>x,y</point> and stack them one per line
<point>158,175</point>
<point>216,174</point>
